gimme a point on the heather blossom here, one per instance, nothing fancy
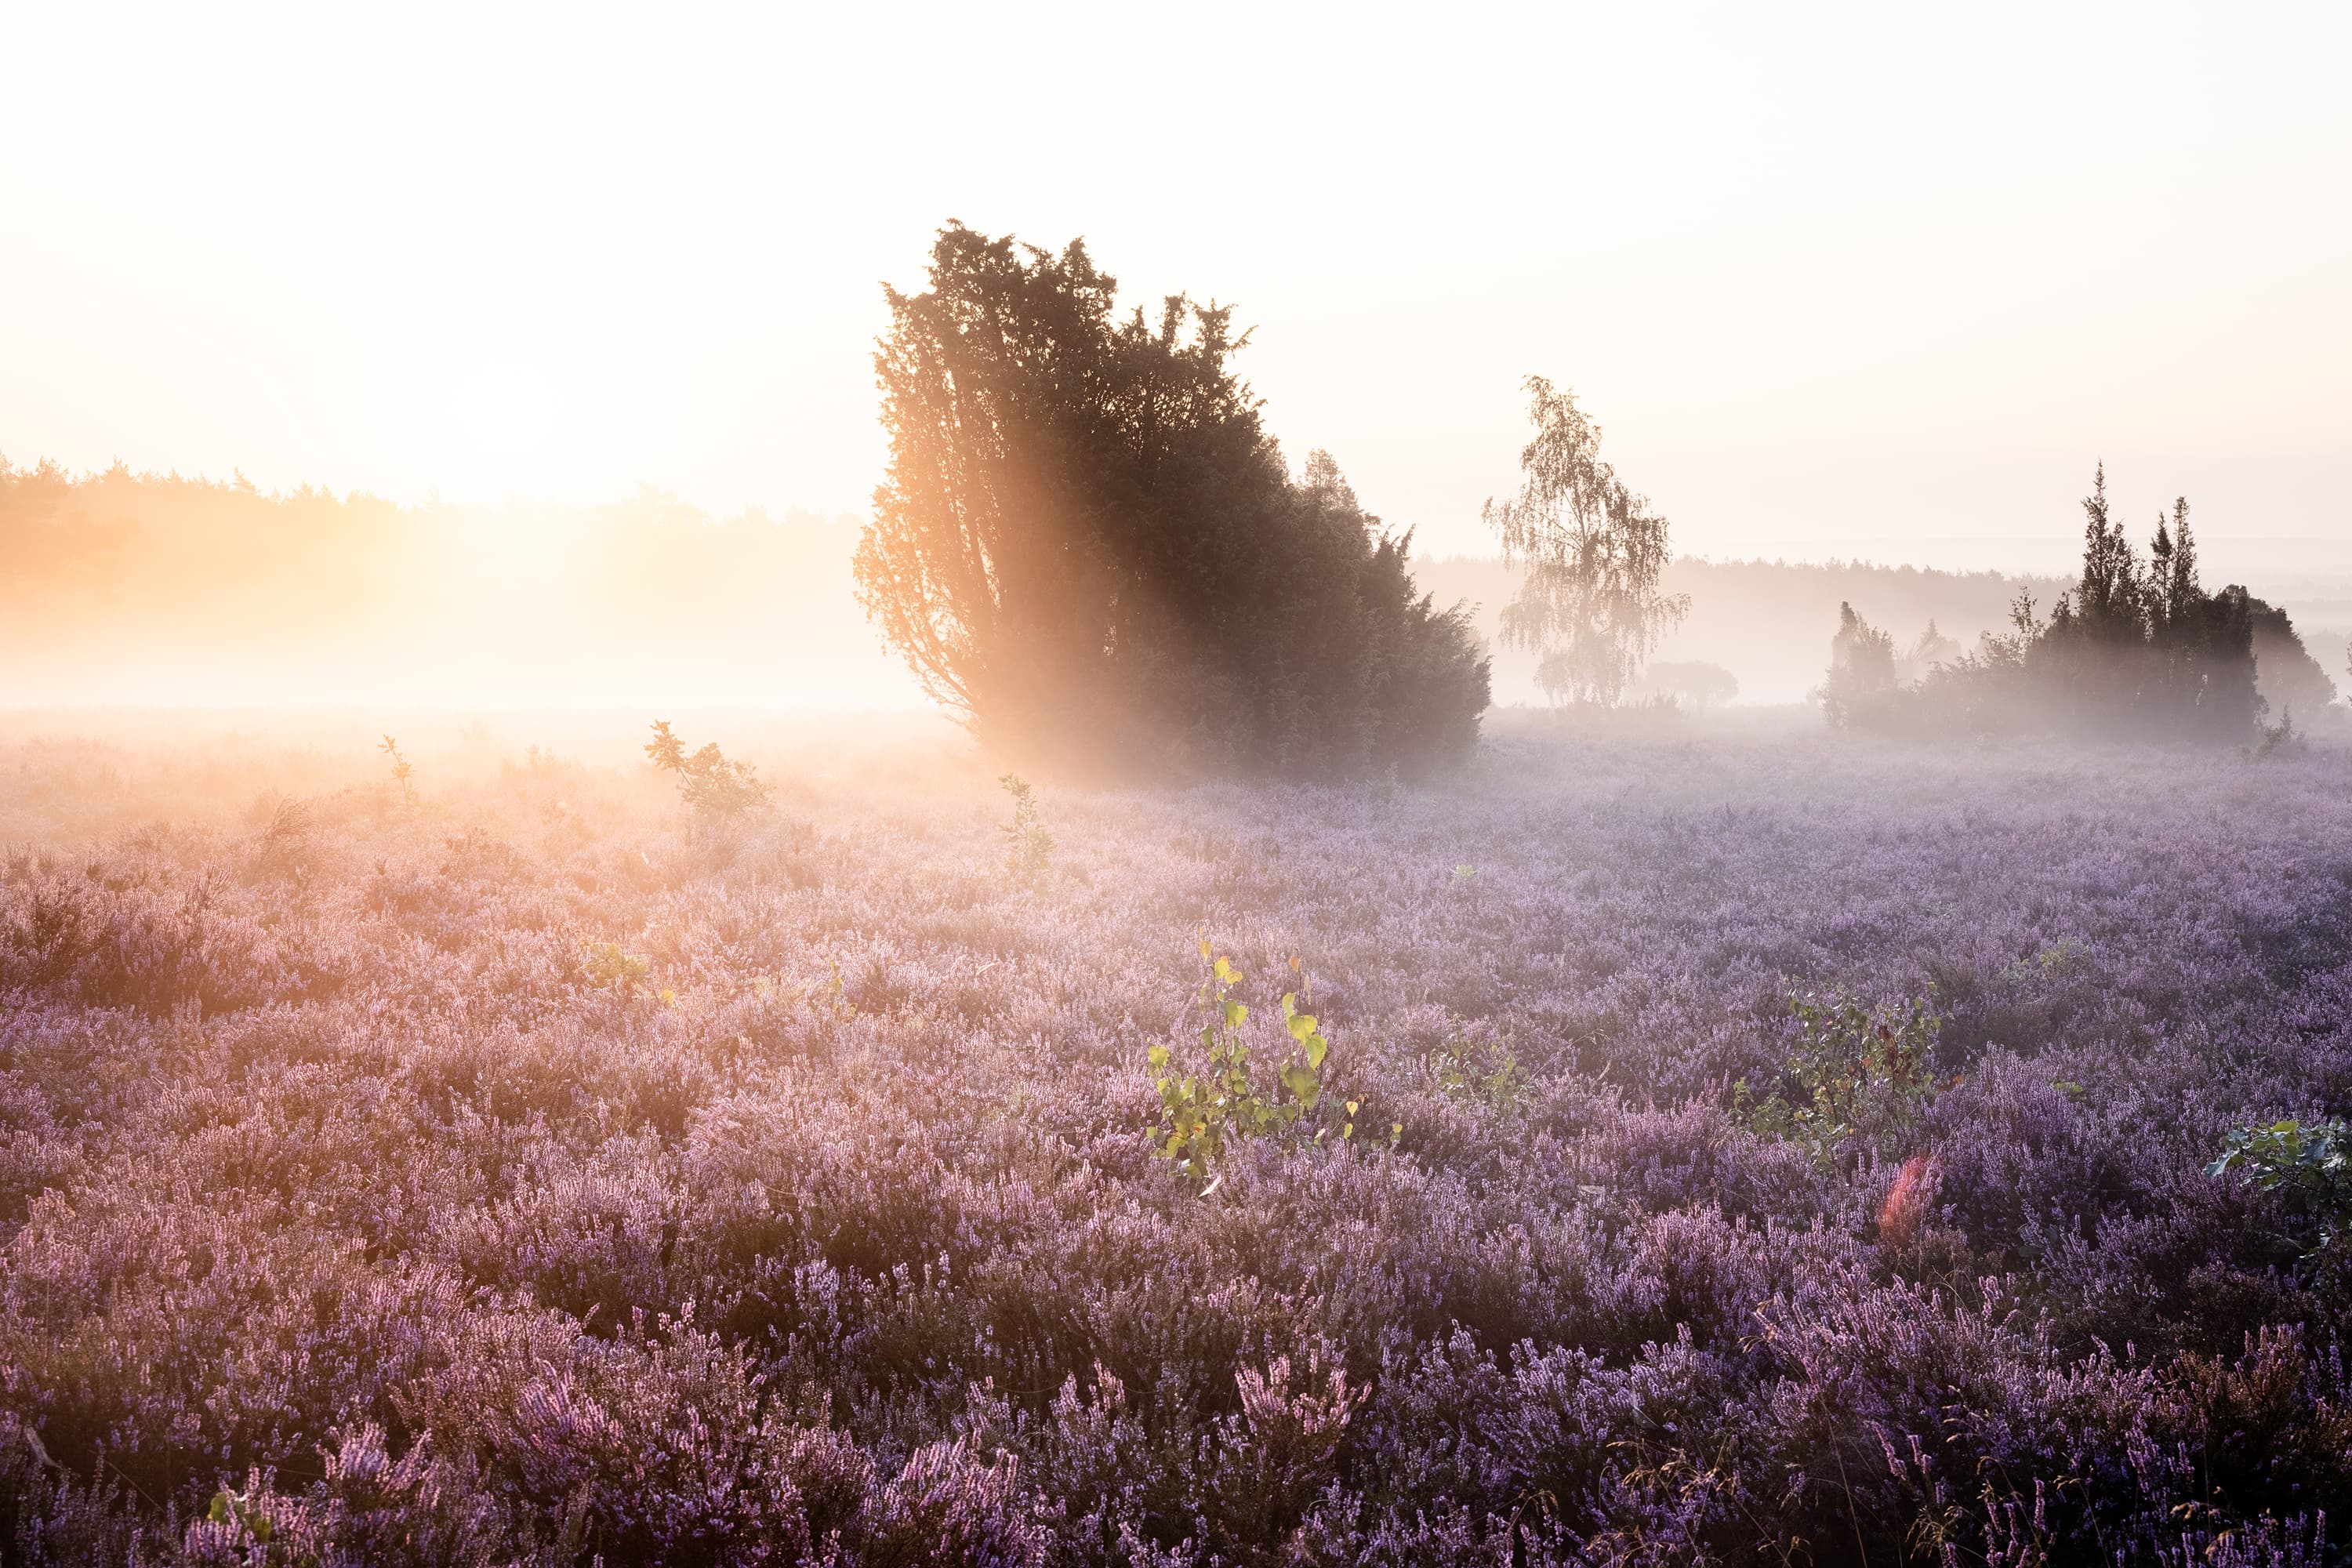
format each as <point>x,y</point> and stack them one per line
<point>540,1172</point>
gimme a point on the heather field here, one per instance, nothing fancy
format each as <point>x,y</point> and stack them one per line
<point>523,1172</point>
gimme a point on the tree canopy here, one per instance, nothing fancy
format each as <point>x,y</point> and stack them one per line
<point>2133,649</point>
<point>1087,543</point>
<point>1592,553</point>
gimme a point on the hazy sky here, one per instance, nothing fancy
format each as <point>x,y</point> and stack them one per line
<point>1825,275</point>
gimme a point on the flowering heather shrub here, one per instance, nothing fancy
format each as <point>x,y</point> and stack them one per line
<point>526,1177</point>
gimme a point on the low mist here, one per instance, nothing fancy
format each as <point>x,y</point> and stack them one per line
<point>145,591</point>
<point>131,590</point>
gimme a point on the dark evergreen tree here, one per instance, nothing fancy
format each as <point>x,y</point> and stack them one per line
<point>2289,679</point>
<point>1860,687</point>
<point>1087,543</point>
<point>2129,650</point>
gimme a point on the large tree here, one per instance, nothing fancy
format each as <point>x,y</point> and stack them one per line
<point>1087,543</point>
<point>1590,552</point>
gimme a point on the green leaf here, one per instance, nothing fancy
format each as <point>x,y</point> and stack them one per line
<point>1318,1048</point>
<point>1158,1056</point>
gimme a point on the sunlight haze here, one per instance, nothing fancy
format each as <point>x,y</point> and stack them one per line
<point>712,851</point>
<point>1834,281</point>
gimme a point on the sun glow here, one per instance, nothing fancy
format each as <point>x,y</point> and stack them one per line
<point>507,413</point>
<point>1808,259</point>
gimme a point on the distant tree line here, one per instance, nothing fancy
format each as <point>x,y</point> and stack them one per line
<point>1087,543</point>
<point>120,587</point>
<point>1762,619</point>
<point>2135,647</point>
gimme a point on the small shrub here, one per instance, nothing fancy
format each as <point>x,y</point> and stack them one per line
<point>2060,959</point>
<point>715,789</point>
<point>1852,1076</point>
<point>1482,1073</point>
<point>2308,1162</point>
<point>288,835</point>
<point>402,774</point>
<point>1200,1116</point>
<point>607,964</point>
<point>1028,843</point>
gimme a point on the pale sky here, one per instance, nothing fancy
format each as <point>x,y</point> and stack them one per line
<point>1872,278</point>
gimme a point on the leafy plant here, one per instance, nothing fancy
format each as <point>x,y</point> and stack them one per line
<point>402,773</point>
<point>2310,1163</point>
<point>714,788</point>
<point>1483,1073</point>
<point>2062,957</point>
<point>242,1512</point>
<point>1028,843</point>
<point>608,964</point>
<point>1201,1115</point>
<point>1853,1075</point>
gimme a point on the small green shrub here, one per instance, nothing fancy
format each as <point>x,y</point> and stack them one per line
<point>714,789</point>
<point>608,964</point>
<point>1201,1115</point>
<point>2062,958</point>
<point>2309,1163</point>
<point>1483,1073</point>
<point>1028,843</point>
<point>1853,1075</point>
